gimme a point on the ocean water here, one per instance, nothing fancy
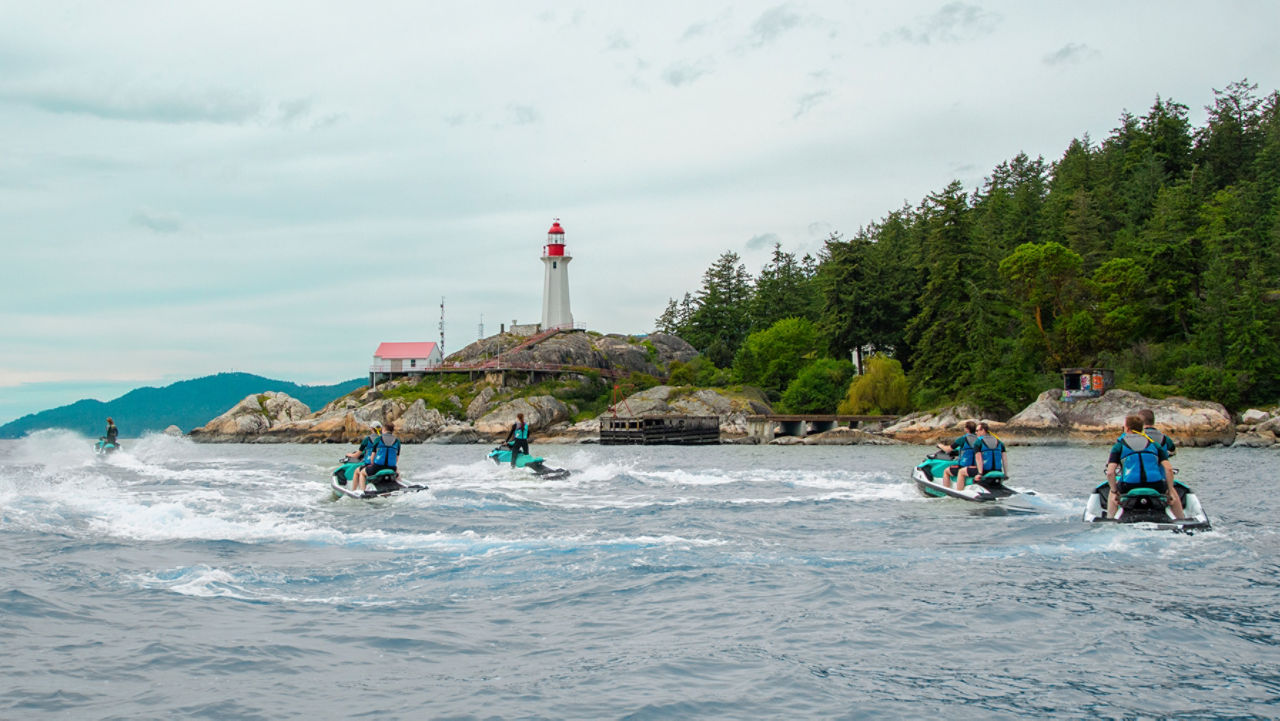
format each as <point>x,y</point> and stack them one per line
<point>176,580</point>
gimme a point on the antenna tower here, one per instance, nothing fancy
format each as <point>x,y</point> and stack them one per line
<point>441,326</point>
<point>480,328</point>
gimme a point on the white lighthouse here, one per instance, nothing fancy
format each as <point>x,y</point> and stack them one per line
<point>555,285</point>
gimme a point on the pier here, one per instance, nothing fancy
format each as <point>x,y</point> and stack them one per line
<point>660,430</point>
<point>765,428</point>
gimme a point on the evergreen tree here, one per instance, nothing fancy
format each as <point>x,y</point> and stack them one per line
<point>785,288</point>
<point>720,319</point>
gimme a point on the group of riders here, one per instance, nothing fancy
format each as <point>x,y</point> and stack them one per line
<point>1138,459</point>
<point>380,450</point>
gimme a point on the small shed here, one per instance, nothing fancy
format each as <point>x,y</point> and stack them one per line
<point>402,359</point>
<point>1086,382</point>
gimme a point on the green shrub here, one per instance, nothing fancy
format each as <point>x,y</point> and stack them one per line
<point>881,390</point>
<point>818,387</point>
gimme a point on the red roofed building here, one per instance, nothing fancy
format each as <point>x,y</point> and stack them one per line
<point>402,359</point>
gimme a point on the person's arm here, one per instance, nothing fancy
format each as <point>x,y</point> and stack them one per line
<point>1113,498</point>
<point>1004,461</point>
<point>1174,501</point>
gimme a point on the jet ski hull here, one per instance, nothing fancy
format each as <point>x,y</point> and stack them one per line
<point>534,464</point>
<point>380,485</point>
<point>928,478</point>
<point>1155,517</point>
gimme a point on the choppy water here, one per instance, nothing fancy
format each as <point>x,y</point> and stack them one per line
<point>175,580</point>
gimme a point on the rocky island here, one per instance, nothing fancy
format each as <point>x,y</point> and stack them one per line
<point>563,385</point>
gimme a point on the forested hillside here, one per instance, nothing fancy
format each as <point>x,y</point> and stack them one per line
<point>1154,252</point>
<point>185,404</point>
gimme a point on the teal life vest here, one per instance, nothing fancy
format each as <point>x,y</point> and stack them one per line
<point>366,448</point>
<point>968,448</point>
<point>522,431</point>
<point>1140,461</point>
<point>383,454</point>
<point>992,453</point>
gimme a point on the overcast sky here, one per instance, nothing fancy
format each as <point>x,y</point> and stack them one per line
<point>276,187</point>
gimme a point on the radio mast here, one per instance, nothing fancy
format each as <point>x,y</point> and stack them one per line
<point>442,326</point>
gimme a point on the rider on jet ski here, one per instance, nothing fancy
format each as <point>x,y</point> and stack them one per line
<point>384,455</point>
<point>518,438</point>
<point>1149,427</point>
<point>366,443</point>
<point>991,454</point>
<point>1144,464</point>
<point>967,445</point>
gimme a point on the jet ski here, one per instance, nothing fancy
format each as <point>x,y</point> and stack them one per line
<point>1148,508</point>
<point>990,487</point>
<point>383,483</point>
<point>502,456</point>
<point>104,446</point>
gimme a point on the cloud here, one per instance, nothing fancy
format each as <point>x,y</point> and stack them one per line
<point>684,73</point>
<point>618,41</point>
<point>525,114</point>
<point>762,241</point>
<point>158,221</point>
<point>1068,54</point>
<point>135,103</point>
<point>808,101</point>
<point>772,24</point>
<point>952,23</point>
<point>218,106</point>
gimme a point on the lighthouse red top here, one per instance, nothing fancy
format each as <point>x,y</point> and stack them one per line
<point>555,239</point>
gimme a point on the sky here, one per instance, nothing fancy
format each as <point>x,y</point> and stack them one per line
<point>275,188</point>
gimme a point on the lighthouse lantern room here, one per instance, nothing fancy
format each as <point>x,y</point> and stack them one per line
<point>555,286</point>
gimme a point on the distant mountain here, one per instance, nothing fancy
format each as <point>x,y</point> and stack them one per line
<point>185,404</point>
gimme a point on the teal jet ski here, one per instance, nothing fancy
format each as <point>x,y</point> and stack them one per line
<point>1148,508</point>
<point>381,484</point>
<point>104,446</point>
<point>534,464</point>
<point>990,487</point>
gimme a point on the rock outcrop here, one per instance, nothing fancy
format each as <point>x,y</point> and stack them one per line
<point>1101,420</point>
<point>252,419</point>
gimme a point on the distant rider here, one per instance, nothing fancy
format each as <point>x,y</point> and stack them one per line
<point>966,445</point>
<point>383,456</point>
<point>366,444</point>
<point>518,438</point>
<point>991,455</point>
<point>1149,427</point>
<point>1143,463</point>
<point>113,433</point>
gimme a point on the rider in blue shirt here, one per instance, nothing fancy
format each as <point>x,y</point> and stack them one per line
<point>1142,463</point>
<point>518,438</point>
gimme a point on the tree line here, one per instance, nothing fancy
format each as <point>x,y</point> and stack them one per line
<point>1155,252</point>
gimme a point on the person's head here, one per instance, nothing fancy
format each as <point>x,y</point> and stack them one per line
<point>375,425</point>
<point>982,428</point>
<point>389,427</point>
<point>520,417</point>
<point>970,426</point>
<point>110,422</point>
<point>1148,416</point>
<point>1133,422</point>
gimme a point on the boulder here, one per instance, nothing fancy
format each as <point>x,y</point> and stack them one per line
<point>1253,416</point>
<point>173,431</point>
<point>539,412</point>
<point>418,423</point>
<point>1101,420</point>
<point>848,437</point>
<point>933,426</point>
<point>480,404</point>
<point>251,418</point>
